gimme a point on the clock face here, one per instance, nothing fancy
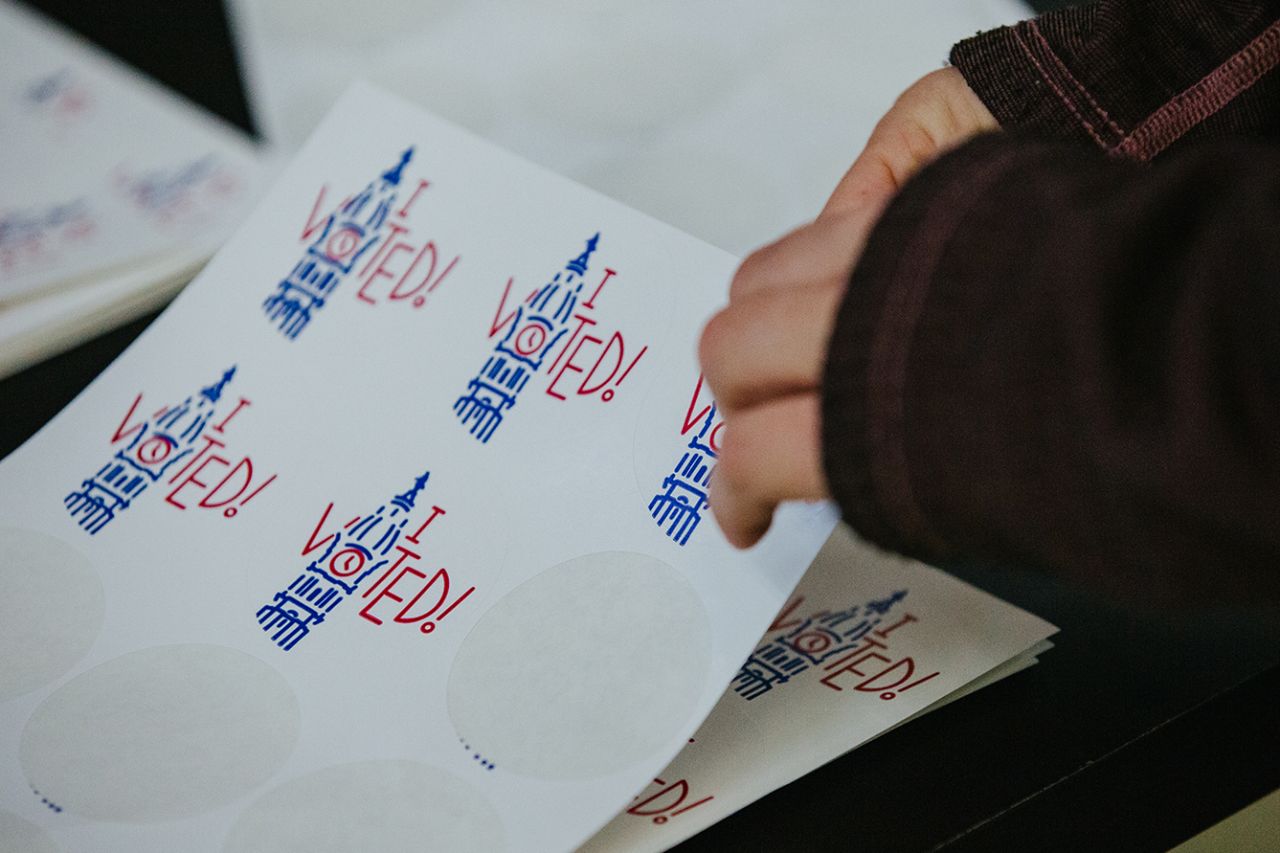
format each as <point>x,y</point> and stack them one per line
<point>154,450</point>
<point>342,246</point>
<point>531,339</point>
<point>348,562</point>
<point>814,641</point>
<point>713,437</point>
<point>349,565</point>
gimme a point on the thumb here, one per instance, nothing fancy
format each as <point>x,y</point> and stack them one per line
<point>935,114</point>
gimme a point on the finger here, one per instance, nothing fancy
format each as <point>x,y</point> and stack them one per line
<point>768,454</point>
<point>769,344</point>
<point>935,114</point>
<point>821,251</point>
<point>871,181</point>
<point>899,144</point>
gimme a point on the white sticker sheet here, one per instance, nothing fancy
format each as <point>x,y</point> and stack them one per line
<point>103,169</point>
<point>35,329</point>
<point>397,514</point>
<point>392,533</point>
<point>868,641</point>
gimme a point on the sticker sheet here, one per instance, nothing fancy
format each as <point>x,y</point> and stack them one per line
<point>392,531</point>
<point>102,168</point>
<point>867,641</point>
<point>35,329</point>
<point>392,534</point>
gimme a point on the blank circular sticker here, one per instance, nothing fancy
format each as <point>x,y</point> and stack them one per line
<point>369,805</point>
<point>584,669</point>
<point>160,733</point>
<point>50,609</point>
<point>18,834</point>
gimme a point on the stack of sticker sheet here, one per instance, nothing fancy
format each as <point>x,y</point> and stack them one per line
<point>391,533</point>
<point>113,191</point>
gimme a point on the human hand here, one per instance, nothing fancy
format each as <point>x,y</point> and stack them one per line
<point>763,355</point>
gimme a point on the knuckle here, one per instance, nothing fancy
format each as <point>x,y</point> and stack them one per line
<point>732,463</point>
<point>716,337</point>
<point>749,271</point>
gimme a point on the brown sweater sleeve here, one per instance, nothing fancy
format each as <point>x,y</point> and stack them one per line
<point>1134,77</point>
<point>1054,357</point>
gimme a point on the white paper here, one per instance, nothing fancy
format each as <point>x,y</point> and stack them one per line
<point>39,327</point>
<point>102,168</point>
<point>505,670</point>
<point>841,664</point>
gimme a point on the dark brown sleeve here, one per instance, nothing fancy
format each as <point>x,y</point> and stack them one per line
<point>1057,358</point>
<point>1134,77</point>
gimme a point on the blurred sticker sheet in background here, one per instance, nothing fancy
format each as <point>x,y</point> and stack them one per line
<point>115,190</point>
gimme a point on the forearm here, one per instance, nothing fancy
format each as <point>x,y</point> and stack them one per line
<point>1046,355</point>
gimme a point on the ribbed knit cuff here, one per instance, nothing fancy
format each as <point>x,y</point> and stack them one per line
<point>1016,73</point>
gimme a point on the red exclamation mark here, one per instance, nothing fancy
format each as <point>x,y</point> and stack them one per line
<point>693,806</point>
<point>230,511</point>
<point>418,302</point>
<point>607,395</point>
<point>429,626</point>
<point>889,694</point>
